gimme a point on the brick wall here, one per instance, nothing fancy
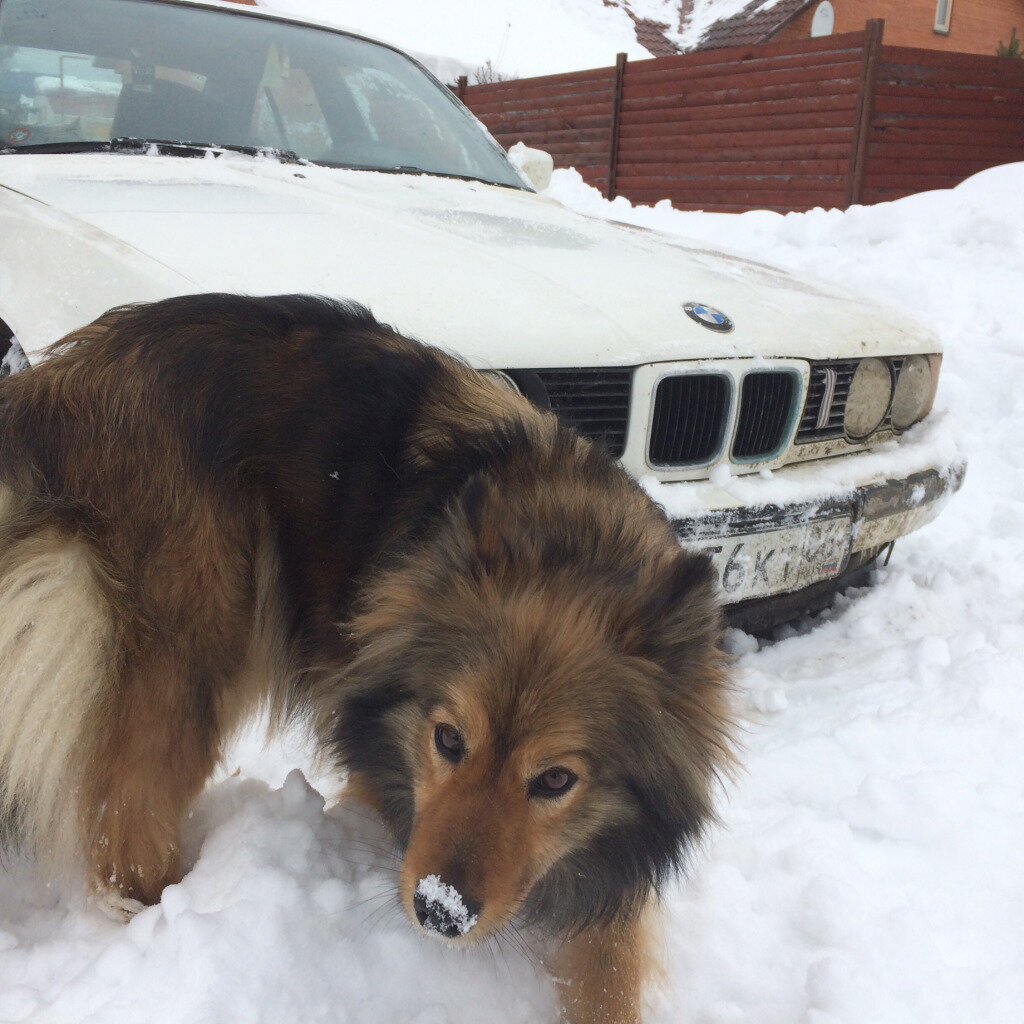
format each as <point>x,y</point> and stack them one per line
<point>976,26</point>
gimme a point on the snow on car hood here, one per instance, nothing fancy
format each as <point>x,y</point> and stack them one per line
<point>504,277</point>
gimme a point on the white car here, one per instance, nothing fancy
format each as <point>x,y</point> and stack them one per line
<point>150,148</point>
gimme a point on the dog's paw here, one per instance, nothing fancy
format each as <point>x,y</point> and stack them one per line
<point>115,905</point>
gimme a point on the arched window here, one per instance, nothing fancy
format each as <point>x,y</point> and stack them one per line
<point>824,20</point>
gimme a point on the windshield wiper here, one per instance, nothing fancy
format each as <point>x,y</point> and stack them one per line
<point>175,147</point>
<point>81,146</point>
<point>171,147</point>
<point>410,169</point>
<point>164,147</point>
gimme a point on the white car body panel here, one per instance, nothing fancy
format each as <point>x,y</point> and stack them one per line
<point>508,279</point>
<point>67,271</point>
<point>501,276</point>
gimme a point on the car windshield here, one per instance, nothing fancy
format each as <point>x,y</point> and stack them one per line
<point>84,73</point>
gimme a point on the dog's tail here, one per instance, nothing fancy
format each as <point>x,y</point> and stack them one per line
<point>55,643</point>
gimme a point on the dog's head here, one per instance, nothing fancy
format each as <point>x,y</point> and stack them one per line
<point>541,732</point>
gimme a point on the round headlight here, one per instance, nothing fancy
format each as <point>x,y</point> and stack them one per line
<point>868,400</point>
<point>914,389</point>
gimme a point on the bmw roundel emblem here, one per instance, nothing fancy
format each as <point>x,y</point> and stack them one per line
<point>706,316</point>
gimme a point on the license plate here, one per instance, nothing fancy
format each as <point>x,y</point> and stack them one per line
<point>777,561</point>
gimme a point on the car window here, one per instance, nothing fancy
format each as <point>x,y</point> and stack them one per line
<point>397,119</point>
<point>46,96</point>
<point>90,71</point>
<point>288,114</point>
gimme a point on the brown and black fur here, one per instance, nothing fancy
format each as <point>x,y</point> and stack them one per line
<point>213,502</point>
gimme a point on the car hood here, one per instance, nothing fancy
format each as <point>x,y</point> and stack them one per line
<point>503,277</point>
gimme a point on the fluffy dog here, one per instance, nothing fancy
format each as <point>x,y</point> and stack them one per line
<point>213,502</point>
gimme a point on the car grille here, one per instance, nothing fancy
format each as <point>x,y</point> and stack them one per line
<point>819,424</point>
<point>593,401</point>
<point>816,423</point>
<point>690,416</point>
<point>689,421</point>
<point>694,413</point>
<point>766,411</point>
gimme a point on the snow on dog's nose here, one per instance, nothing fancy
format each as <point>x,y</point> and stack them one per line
<point>442,909</point>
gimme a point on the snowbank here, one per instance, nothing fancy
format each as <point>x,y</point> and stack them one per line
<point>868,867</point>
<point>868,864</point>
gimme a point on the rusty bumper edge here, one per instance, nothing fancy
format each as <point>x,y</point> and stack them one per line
<point>862,505</point>
<point>876,510</point>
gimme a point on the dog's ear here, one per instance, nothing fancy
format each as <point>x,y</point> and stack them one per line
<point>473,499</point>
<point>678,626</point>
<point>482,510</point>
<point>678,617</point>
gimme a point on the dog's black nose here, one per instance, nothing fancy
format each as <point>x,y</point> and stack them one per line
<point>442,909</point>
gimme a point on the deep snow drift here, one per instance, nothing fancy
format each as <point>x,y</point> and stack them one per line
<point>868,864</point>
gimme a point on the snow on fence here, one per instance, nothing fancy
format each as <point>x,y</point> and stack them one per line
<point>784,126</point>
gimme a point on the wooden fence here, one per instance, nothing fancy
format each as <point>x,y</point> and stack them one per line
<point>785,126</point>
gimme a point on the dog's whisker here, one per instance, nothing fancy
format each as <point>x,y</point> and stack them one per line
<point>372,865</point>
<point>350,805</point>
<point>507,941</point>
<point>376,897</point>
<point>388,853</point>
<point>393,915</point>
<point>497,950</point>
<point>369,845</point>
<point>357,809</point>
<point>390,908</point>
<point>514,938</point>
<point>381,893</point>
<point>371,834</point>
<point>380,907</point>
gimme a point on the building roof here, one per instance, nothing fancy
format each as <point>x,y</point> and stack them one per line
<point>758,22</point>
<point>651,35</point>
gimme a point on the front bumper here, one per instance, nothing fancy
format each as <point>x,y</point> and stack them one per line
<point>763,552</point>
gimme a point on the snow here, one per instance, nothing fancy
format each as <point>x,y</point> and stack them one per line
<point>449,899</point>
<point>867,867</point>
<point>13,360</point>
<point>535,166</point>
<point>706,13</point>
<point>931,443</point>
<point>515,38</point>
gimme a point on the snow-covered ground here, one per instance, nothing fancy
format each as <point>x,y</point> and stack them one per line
<point>868,866</point>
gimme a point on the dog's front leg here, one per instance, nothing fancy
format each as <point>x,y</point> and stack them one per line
<point>602,971</point>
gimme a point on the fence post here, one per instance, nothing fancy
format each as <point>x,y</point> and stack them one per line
<point>613,146</point>
<point>873,31</point>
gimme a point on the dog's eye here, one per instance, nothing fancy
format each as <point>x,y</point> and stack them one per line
<point>554,782</point>
<point>449,743</point>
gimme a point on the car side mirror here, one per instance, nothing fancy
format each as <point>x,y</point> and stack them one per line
<point>533,164</point>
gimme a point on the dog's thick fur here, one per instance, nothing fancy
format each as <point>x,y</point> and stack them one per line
<point>211,502</point>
